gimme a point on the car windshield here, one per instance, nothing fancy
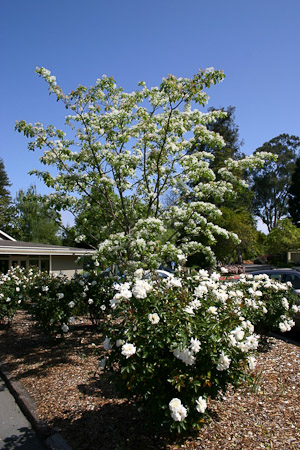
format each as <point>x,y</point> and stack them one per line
<point>293,278</point>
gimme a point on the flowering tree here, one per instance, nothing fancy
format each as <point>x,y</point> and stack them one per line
<point>125,152</point>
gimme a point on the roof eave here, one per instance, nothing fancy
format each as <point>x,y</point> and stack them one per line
<point>44,251</point>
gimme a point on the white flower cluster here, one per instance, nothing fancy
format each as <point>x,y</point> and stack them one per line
<point>251,362</point>
<point>178,411</point>
<point>223,362</point>
<point>141,289</point>
<point>124,293</point>
<point>187,354</point>
<point>238,340</point>
<point>285,303</point>
<point>286,324</point>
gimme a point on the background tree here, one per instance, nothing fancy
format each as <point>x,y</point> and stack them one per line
<point>36,222</point>
<point>7,211</point>
<point>285,236</point>
<point>243,224</point>
<point>225,126</point>
<point>237,214</point>
<point>271,183</point>
<point>294,195</point>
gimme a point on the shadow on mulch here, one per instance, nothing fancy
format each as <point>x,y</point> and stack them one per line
<point>99,387</point>
<point>28,346</point>
<point>116,427</point>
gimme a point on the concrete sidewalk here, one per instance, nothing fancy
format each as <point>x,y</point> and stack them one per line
<point>15,430</point>
<point>19,419</point>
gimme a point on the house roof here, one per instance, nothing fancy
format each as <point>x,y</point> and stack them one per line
<point>33,248</point>
<point>6,236</point>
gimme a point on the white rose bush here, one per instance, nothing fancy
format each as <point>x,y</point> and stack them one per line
<point>50,301</point>
<point>170,344</point>
<point>174,345</point>
<point>13,291</point>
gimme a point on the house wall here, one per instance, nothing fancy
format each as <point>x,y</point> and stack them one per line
<point>294,257</point>
<point>65,265</point>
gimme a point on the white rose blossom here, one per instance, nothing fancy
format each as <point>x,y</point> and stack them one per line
<point>154,318</point>
<point>201,405</point>
<point>212,310</point>
<point>174,282</point>
<point>178,411</point>
<point>128,350</point>
<point>223,362</point>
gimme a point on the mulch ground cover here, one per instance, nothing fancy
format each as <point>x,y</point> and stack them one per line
<point>75,397</point>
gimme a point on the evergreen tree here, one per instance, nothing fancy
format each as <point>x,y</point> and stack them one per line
<point>36,221</point>
<point>6,207</point>
<point>229,130</point>
<point>294,195</point>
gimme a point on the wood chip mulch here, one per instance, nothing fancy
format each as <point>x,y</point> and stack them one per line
<point>80,403</point>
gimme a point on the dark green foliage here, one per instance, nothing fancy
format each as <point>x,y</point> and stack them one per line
<point>285,236</point>
<point>229,130</point>
<point>271,183</point>
<point>6,207</point>
<point>241,222</point>
<point>36,222</point>
<point>294,195</point>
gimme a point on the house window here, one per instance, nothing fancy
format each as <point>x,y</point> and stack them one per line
<point>21,262</point>
<point>45,266</point>
<point>3,265</point>
<point>41,262</point>
<point>34,262</point>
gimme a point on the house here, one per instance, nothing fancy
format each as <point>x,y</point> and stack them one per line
<point>54,259</point>
<point>293,256</point>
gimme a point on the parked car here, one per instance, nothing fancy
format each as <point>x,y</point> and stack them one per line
<point>160,273</point>
<point>282,275</point>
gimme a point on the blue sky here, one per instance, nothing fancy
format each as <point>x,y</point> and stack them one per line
<point>256,43</point>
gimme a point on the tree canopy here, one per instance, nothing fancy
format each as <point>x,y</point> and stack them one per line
<point>125,152</point>
<point>226,127</point>
<point>271,183</point>
<point>285,236</point>
<point>294,195</point>
<point>35,221</point>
